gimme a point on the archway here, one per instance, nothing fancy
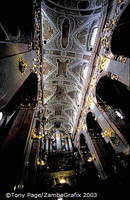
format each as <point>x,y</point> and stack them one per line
<point>113,97</point>
<point>120,37</point>
<point>20,113</point>
<point>84,148</point>
<point>103,149</point>
<point>13,27</point>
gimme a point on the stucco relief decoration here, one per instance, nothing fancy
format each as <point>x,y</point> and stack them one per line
<point>37,24</point>
<point>107,32</point>
<point>46,68</point>
<point>114,77</point>
<point>110,26</point>
<point>65,57</point>
<point>23,65</point>
<point>103,63</point>
<point>89,102</point>
<point>93,81</point>
<point>47,30</point>
<point>82,125</point>
<point>122,59</point>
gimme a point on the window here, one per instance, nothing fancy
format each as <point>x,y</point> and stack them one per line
<point>1,116</point>
<point>93,38</point>
<point>85,70</point>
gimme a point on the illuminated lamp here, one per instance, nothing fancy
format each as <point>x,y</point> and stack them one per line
<point>62,180</point>
<point>92,158</point>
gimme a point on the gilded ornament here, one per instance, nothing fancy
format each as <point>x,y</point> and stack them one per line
<point>40,162</point>
<point>108,132</point>
<point>114,77</point>
<point>34,135</point>
<point>22,65</point>
<point>93,82</point>
<point>103,63</point>
<point>109,25</point>
<point>92,158</point>
<point>89,101</point>
<point>33,131</point>
<point>104,41</point>
<point>82,125</point>
<point>122,59</point>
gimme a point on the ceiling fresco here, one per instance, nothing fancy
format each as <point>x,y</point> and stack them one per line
<point>69,33</point>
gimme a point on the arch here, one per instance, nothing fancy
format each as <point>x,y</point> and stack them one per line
<point>103,149</point>
<point>30,89</point>
<point>14,134</point>
<point>92,124</point>
<point>82,140</point>
<point>14,25</point>
<point>1,115</point>
<point>84,148</point>
<point>2,118</point>
<point>94,129</point>
<point>83,145</point>
<point>3,34</point>
<point>87,157</point>
<point>113,96</point>
<point>120,37</point>
<point>27,94</point>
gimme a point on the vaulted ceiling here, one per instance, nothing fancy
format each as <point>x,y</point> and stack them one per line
<point>70,30</point>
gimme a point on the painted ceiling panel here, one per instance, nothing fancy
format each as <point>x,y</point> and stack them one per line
<point>67,29</point>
